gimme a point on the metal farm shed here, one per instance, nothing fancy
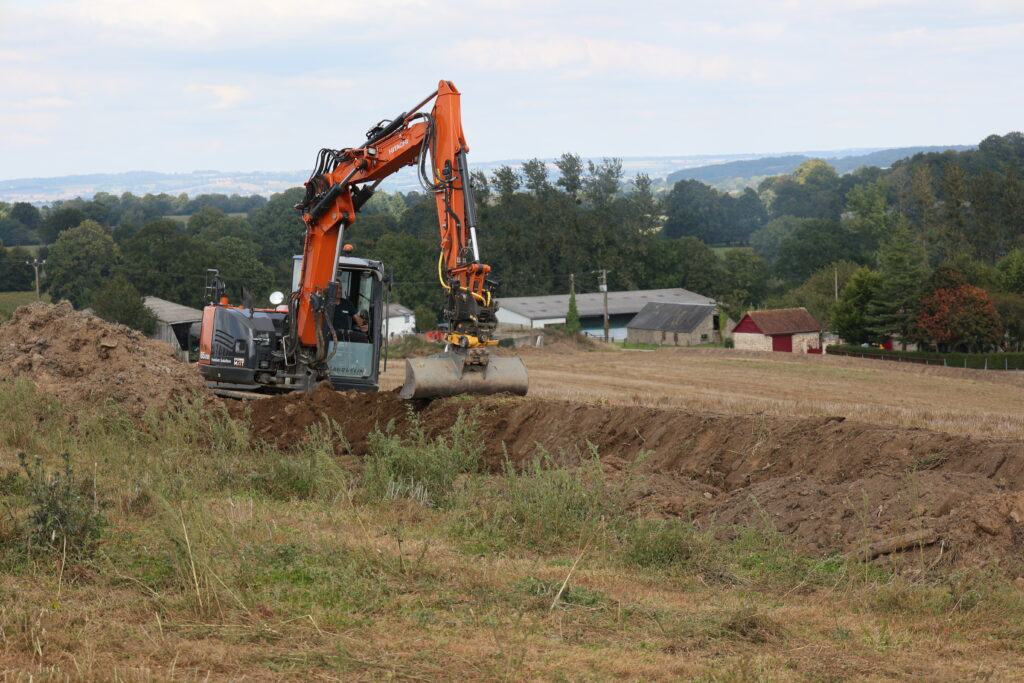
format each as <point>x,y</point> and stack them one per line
<point>675,324</point>
<point>539,311</point>
<point>173,322</point>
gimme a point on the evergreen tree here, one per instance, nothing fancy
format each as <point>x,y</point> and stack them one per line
<point>1011,272</point>
<point>572,319</point>
<point>903,272</point>
<point>849,318</point>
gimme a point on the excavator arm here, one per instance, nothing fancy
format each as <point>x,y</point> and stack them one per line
<point>343,181</point>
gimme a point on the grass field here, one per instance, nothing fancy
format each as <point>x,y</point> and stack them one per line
<point>181,550</point>
<point>12,300</point>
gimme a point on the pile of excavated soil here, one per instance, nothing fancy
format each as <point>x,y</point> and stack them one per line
<point>83,359</point>
<point>829,484</point>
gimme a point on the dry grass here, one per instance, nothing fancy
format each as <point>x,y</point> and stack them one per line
<point>422,610</point>
<point>210,571</point>
<point>975,402</point>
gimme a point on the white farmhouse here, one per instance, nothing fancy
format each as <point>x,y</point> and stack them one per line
<point>401,321</point>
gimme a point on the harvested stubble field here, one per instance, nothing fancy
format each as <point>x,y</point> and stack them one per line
<point>705,522</point>
<point>957,401</point>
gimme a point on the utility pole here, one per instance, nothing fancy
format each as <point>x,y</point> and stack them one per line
<point>836,272</point>
<point>604,288</point>
<point>572,283</point>
<point>36,264</point>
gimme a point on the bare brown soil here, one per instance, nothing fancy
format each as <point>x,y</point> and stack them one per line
<point>85,360</point>
<point>832,485</point>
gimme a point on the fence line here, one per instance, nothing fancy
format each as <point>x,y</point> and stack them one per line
<point>921,360</point>
<point>884,356</point>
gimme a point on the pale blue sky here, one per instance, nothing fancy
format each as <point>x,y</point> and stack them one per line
<point>118,85</point>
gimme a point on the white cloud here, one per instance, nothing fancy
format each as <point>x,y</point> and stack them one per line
<point>23,140</point>
<point>225,96</point>
<point>201,23</point>
<point>45,103</point>
<point>579,57</point>
<point>958,38</point>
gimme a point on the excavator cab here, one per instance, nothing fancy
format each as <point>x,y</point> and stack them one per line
<point>354,352</point>
<point>242,348</point>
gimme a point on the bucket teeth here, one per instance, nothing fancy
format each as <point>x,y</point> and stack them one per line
<point>453,373</point>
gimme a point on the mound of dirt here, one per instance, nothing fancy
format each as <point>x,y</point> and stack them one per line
<point>283,420</point>
<point>829,484</point>
<point>83,359</point>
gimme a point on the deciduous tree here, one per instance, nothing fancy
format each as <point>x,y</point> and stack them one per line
<point>962,315</point>
<point>79,261</point>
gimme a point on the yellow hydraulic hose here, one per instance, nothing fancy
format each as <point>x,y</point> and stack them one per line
<point>440,277</point>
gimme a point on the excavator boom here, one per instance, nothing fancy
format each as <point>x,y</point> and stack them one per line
<point>343,181</point>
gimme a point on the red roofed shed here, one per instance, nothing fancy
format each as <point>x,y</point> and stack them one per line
<point>788,329</point>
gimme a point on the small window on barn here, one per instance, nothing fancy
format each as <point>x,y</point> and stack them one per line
<point>703,337</point>
<point>406,317</point>
<point>714,321</point>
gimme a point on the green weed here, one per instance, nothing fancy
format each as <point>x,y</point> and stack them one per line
<point>665,543</point>
<point>420,468</point>
<point>59,516</point>
<point>546,591</point>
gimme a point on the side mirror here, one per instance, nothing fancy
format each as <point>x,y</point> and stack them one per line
<point>276,298</point>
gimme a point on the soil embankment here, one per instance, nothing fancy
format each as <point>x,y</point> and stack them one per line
<point>85,360</point>
<point>830,484</point>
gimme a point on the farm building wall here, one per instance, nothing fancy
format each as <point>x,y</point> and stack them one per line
<point>703,334</point>
<point>748,341</point>
<point>751,341</point>
<point>172,336</point>
<point>802,341</point>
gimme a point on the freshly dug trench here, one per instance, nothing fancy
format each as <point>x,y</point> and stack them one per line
<point>829,484</point>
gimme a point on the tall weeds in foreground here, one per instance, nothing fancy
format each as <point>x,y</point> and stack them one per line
<point>544,504</point>
<point>420,468</point>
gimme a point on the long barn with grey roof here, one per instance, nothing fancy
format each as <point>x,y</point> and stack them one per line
<point>541,311</point>
<point>676,324</point>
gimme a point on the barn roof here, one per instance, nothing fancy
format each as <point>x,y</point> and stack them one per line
<point>784,321</point>
<point>592,303</point>
<point>170,312</point>
<point>671,317</point>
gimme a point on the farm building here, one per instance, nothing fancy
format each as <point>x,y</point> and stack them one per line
<point>173,322</point>
<point>540,311</point>
<point>674,324</point>
<point>792,330</point>
<point>401,320</point>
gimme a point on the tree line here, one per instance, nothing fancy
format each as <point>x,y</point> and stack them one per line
<point>909,247</point>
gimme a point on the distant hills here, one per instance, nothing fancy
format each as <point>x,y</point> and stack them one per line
<point>725,171</point>
<point>734,172</point>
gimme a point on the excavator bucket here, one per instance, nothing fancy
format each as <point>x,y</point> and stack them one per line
<point>451,374</point>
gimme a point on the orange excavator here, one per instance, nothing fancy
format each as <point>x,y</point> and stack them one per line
<point>331,326</point>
